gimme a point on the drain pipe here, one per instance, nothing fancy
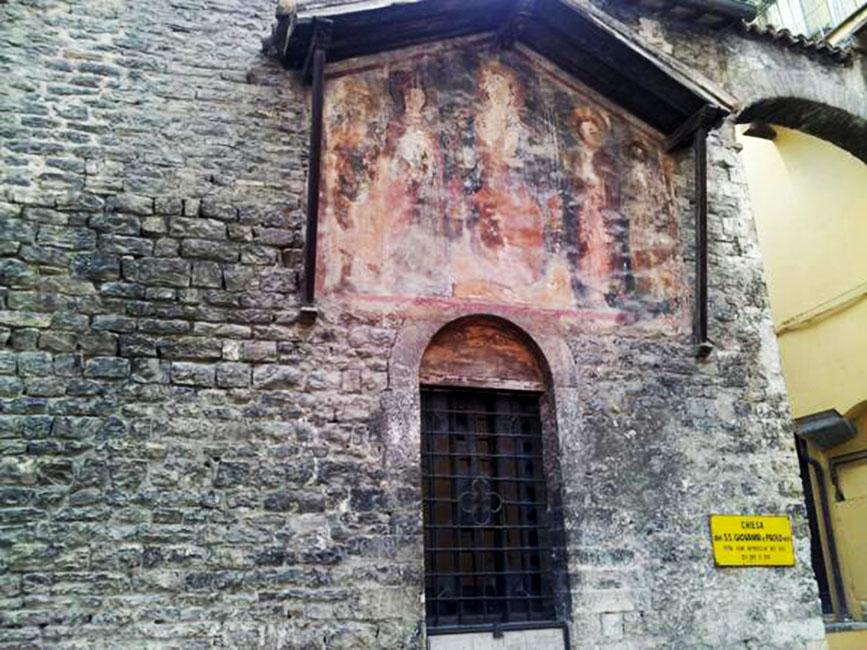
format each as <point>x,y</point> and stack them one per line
<point>836,575</point>
<point>314,72</point>
<point>699,326</point>
<point>694,130</point>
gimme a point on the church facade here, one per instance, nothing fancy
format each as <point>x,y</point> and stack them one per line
<point>425,324</point>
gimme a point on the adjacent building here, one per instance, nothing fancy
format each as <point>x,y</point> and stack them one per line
<point>809,200</point>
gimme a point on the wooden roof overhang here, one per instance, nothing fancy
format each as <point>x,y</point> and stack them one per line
<point>579,41</point>
<point>575,40</point>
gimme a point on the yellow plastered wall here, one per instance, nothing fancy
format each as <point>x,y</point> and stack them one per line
<point>855,640</point>
<point>848,517</point>
<point>810,206</point>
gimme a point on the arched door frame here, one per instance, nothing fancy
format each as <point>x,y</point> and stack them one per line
<point>401,409</point>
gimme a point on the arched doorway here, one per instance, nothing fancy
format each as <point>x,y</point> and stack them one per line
<point>492,523</point>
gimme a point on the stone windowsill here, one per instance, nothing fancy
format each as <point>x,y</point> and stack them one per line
<point>845,626</point>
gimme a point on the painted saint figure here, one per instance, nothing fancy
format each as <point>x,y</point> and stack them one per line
<point>652,233</point>
<point>600,260</point>
<point>483,180</point>
<point>415,241</point>
<point>351,154</point>
<point>507,246</point>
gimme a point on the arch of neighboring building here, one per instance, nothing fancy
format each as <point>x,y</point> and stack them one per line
<point>858,411</point>
<point>835,115</point>
<point>844,127</point>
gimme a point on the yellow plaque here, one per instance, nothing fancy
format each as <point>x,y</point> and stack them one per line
<point>752,540</point>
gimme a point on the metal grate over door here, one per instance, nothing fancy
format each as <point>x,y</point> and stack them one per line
<point>487,548</point>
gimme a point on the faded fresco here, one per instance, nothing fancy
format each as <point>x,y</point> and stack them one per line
<point>477,174</point>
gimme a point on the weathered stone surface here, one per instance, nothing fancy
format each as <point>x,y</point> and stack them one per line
<point>192,374</point>
<point>233,375</point>
<point>270,377</point>
<point>107,368</point>
<point>183,463</point>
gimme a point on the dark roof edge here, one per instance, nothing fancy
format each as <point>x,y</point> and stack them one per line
<point>669,95</point>
<point>785,38</point>
<point>825,429</point>
<point>732,9</point>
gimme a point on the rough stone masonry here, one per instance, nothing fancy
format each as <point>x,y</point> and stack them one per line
<point>186,465</point>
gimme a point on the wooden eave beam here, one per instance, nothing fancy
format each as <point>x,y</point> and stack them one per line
<point>358,44</point>
<point>319,40</point>
<point>587,39</point>
<point>519,15</point>
<point>569,37</point>
<point>708,117</point>
<point>601,77</point>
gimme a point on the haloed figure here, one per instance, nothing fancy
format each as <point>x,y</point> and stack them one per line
<point>415,243</point>
<point>652,233</point>
<point>599,261</point>
<point>506,254</point>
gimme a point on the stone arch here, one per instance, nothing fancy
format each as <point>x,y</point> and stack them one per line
<point>847,130</point>
<point>485,352</point>
<point>541,335</point>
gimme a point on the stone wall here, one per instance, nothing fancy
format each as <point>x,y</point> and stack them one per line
<point>186,465</point>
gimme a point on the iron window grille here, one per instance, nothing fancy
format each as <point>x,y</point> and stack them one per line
<point>487,542</point>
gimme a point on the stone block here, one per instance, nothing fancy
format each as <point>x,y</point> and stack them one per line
<point>113,323</point>
<point>126,245</point>
<point>66,237</point>
<point>132,203</point>
<point>209,250</point>
<point>207,274</point>
<point>67,365</point>
<point>58,341</point>
<point>107,368</point>
<point>154,226</point>
<point>612,625</point>
<point>197,228</point>
<point>192,374</point>
<point>98,343</point>
<point>119,224</point>
<point>24,319</point>
<point>157,271</point>
<point>276,377</point>
<point>35,364</point>
<point>163,326</point>
<point>16,274</point>
<point>8,362</point>
<point>233,375</point>
<point>192,347</point>
<point>148,371</point>
<point>216,209</point>
<point>137,345</point>
<point>170,205</point>
<point>10,386</point>
<point>258,351</point>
